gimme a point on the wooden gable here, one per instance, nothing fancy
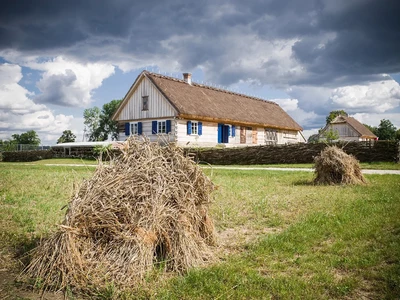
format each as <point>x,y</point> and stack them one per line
<point>132,108</point>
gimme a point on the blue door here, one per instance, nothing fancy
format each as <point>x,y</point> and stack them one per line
<point>223,133</point>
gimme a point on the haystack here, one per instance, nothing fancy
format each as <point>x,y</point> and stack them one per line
<point>148,208</point>
<point>334,166</point>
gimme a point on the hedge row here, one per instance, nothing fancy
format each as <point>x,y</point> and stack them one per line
<point>13,156</point>
<point>296,153</point>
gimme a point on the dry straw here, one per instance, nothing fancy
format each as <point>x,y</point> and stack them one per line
<point>148,208</point>
<point>334,166</point>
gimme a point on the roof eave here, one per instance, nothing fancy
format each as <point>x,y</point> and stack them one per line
<point>126,97</point>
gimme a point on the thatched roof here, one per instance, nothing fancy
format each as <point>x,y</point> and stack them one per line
<point>363,131</point>
<point>200,102</point>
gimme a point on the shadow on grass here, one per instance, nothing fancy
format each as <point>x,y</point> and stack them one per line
<point>304,182</point>
<point>23,249</point>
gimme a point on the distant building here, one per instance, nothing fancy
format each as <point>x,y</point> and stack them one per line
<point>192,114</point>
<point>81,149</point>
<point>349,129</point>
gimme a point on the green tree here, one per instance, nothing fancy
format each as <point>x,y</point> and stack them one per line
<point>386,130</point>
<point>106,123</point>
<point>373,129</point>
<point>92,122</point>
<point>313,138</point>
<point>30,138</point>
<point>8,145</point>
<point>66,137</point>
<point>99,123</point>
<point>333,114</point>
<point>398,135</point>
<point>331,135</point>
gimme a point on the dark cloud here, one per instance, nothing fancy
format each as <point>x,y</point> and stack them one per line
<point>53,89</point>
<point>337,41</point>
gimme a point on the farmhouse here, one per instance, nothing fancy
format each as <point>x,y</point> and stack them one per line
<point>349,129</point>
<point>192,114</point>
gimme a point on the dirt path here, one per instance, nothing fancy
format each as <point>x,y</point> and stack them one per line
<point>365,171</point>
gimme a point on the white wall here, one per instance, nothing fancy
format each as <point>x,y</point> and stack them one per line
<point>209,137</point>
<point>158,106</point>
<point>147,131</point>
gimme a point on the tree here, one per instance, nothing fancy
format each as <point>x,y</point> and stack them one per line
<point>30,138</point>
<point>92,121</point>
<point>331,135</point>
<point>373,129</point>
<point>313,138</point>
<point>66,137</point>
<point>333,114</point>
<point>99,123</point>
<point>398,135</point>
<point>386,130</point>
<point>106,123</point>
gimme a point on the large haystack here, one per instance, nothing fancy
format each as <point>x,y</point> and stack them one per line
<point>334,166</point>
<point>148,208</point>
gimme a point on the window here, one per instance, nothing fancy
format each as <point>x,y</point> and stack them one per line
<point>162,127</point>
<point>290,135</point>
<point>158,127</point>
<point>271,136</point>
<point>194,128</point>
<point>145,102</point>
<point>134,128</point>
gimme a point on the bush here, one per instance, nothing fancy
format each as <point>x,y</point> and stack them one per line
<point>24,156</point>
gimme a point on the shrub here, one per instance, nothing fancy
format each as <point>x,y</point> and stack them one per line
<point>24,156</point>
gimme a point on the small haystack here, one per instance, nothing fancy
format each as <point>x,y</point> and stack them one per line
<point>334,166</point>
<point>148,208</point>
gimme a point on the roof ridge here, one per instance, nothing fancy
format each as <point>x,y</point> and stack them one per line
<point>208,87</point>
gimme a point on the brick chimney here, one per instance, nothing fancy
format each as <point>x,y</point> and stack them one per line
<point>188,78</point>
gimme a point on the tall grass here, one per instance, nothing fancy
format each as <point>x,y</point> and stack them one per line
<point>280,236</point>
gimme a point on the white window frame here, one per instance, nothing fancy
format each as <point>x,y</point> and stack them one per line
<point>162,127</point>
<point>134,128</point>
<point>195,128</point>
<point>270,136</point>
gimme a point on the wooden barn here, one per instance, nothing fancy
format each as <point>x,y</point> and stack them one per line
<point>349,129</point>
<point>192,114</point>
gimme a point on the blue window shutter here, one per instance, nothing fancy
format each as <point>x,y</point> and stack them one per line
<point>189,127</point>
<point>139,127</point>
<point>154,127</point>
<point>229,130</point>
<point>168,126</point>
<point>200,128</point>
<point>220,127</point>
<point>127,127</point>
<point>233,131</point>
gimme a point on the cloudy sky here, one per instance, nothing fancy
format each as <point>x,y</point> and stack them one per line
<point>311,56</point>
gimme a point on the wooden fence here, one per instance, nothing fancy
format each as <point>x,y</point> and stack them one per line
<point>384,151</point>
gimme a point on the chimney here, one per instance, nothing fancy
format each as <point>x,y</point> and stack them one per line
<point>188,78</point>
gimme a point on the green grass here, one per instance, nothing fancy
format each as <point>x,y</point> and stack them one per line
<point>287,238</point>
<point>31,198</point>
<point>64,161</point>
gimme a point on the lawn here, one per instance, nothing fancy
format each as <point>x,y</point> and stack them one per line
<point>279,236</point>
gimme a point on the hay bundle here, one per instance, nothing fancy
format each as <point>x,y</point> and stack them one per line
<point>148,207</point>
<point>334,166</point>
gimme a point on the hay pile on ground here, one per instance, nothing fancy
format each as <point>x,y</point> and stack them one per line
<point>148,208</point>
<point>334,166</point>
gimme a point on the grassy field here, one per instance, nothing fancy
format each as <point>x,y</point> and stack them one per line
<point>279,236</point>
